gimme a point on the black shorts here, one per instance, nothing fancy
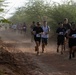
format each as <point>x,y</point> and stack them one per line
<point>60,40</point>
<point>44,40</point>
<point>37,39</point>
<point>72,42</point>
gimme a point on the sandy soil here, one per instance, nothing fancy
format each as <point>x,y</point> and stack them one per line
<point>25,61</point>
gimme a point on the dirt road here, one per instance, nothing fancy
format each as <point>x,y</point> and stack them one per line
<point>48,63</point>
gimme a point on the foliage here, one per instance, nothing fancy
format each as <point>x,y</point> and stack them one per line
<point>1,4</point>
<point>2,19</point>
<point>39,10</point>
<point>5,21</point>
<point>33,11</point>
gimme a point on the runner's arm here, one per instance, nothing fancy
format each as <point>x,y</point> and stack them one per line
<point>48,30</point>
<point>68,34</point>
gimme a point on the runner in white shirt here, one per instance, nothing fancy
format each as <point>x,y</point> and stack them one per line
<point>45,35</point>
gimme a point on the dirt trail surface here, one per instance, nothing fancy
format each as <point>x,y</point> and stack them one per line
<point>23,59</point>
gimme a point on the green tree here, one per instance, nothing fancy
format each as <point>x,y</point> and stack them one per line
<point>34,10</point>
<point>1,4</point>
<point>39,10</point>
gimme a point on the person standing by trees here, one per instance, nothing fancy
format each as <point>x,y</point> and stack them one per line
<point>37,31</point>
<point>31,28</point>
<point>45,35</point>
<point>60,37</point>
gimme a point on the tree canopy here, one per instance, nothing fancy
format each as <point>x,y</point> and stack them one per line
<point>39,10</point>
<point>2,5</point>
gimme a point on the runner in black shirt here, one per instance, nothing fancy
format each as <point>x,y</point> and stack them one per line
<point>67,26</point>
<point>72,40</point>
<point>37,31</point>
<point>60,37</point>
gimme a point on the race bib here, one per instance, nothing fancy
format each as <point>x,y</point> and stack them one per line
<point>60,33</point>
<point>37,35</point>
<point>24,27</point>
<point>74,35</point>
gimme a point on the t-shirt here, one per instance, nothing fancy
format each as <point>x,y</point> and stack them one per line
<point>72,33</point>
<point>37,31</point>
<point>67,26</point>
<point>24,27</point>
<point>61,31</point>
<point>46,29</point>
<point>32,27</point>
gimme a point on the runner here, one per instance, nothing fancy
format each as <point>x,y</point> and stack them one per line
<point>72,40</point>
<point>60,37</point>
<point>31,27</point>
<point>45,35</point>
<point>37,31</point>
<point>24,28</point>
<point>14,27</point>
<point>20,28</point>
<point>67,26</point>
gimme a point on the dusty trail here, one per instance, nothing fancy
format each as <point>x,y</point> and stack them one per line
<point>49,63</point>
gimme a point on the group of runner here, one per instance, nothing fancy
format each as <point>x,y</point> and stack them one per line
<point>21,27</point>
<point>66,32</point>
<point>40,34</point>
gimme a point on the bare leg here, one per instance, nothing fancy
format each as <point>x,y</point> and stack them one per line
<point>73,51</point>
<point>62,47</point>
<point>43,46</point>
<point>37,47</point>
<point>70,51</point>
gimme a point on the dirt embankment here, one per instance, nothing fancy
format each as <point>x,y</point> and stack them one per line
<point>15,63</point>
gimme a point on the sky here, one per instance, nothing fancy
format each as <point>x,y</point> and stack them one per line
<point>13,4</point>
